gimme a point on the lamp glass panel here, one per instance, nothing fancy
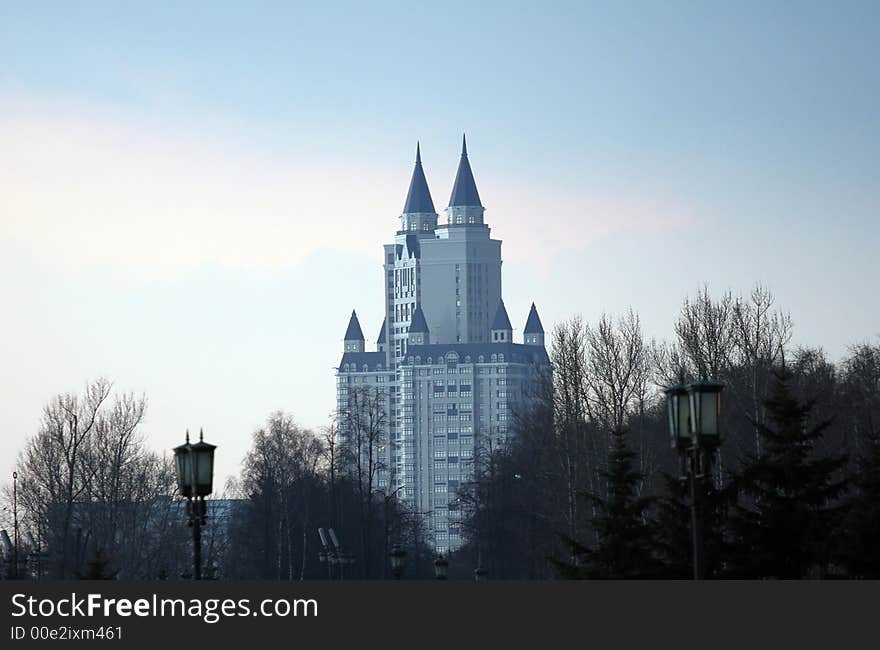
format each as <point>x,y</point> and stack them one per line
<point>203,470</point>
<point>183,461</point>
<point>683,416</point>
<point>709,413</point>
<point>694,420</point>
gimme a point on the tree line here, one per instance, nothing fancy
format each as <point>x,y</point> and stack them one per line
<point>588,487</point>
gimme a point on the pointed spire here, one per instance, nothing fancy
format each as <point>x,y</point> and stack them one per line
<point>464,191</point>
<point>501,320</point>
<point>354,332</point>
<point>533,322</point>
<point>418,324</point>
<point>187,436</point>
<point>201,434</point>
<point>381,338</point>
<point>418,199</point>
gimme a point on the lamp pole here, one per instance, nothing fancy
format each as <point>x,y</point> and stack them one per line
<point>195,476</point>
<point>696,523</point>
<point>196,509</point>
<point>398,561</point>
<point>694,411</point>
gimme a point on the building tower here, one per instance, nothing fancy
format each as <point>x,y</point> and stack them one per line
<point>354,337</point>
<point>502,330</point>
<point>533,332</point>
<point>445,360</point>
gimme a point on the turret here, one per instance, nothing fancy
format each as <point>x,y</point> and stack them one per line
<point>418,215</point>
<point>354,336</point>
<point>501,330</point>
<point>382,339</point>
<point>418,328</point>
<point>465,207</point>
<point>533,333</point>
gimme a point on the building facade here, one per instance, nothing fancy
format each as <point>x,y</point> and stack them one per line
<point>445,364</point>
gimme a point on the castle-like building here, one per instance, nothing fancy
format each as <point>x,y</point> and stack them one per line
<point>446,365</point>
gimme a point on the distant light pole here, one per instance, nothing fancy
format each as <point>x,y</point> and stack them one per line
<point>441,568</point>
<point>386,511</point>
<point>694,412</point>
<point>398,561</point>
<point>195,477</point>
<point>15,524</point>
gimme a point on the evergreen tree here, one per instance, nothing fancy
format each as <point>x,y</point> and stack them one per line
<point>625,536</point>
<point>675,531</point>
<point>789,498</point>
<point>860,546</point>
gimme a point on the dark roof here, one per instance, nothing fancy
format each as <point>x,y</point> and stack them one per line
<point>381,338</point>
<point>464,191</point>
<point>513,352</point>
<point>418,199</point>
<point>354,333</point>
<point>501,321</point>
<point>418,324</point>
<point>533,323</point>
<point>371,359</point>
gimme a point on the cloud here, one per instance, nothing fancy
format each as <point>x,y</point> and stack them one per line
<point>90,187</point>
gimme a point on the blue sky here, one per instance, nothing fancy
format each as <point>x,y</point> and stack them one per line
<point>193,196</point>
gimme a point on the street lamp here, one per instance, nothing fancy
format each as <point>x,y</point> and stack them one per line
<point>195,478</point>
<point>441,568</point>
<point>694,412</point>
<point>398,561</point>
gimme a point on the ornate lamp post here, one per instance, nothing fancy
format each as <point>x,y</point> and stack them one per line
<point>441,568</point>
<point>195,477</point>
<point>694,412</point>
<point>398,561</point>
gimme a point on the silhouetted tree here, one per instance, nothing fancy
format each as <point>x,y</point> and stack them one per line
<point>625,535</point>
<point>789,498</point>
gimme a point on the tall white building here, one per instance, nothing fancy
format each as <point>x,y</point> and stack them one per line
<point>445,362</point>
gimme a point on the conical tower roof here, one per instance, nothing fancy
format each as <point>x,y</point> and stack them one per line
<point>418,199</point>
<point>501,320</point>
<point>533,322</point>
<point>464,191</point>
<point>354,332</point>
<point>418,325</point>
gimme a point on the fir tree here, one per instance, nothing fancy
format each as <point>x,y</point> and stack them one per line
<point>625,537</point>
<point>860,544</point>
<point>675,533</point>
<point>789,498</point>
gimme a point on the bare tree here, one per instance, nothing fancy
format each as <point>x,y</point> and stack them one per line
<point>363,424</point>
<point>618,370</point>
<point>760,336</point>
